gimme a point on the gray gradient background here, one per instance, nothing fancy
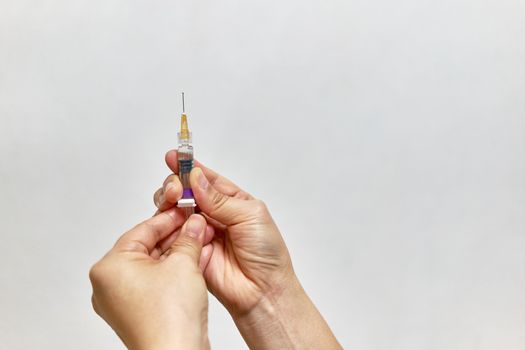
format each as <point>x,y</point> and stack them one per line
<point>387,138</point>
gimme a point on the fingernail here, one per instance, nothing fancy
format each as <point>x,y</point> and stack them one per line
<point>203,181</point>
<point>161,199</point>
<point>169,185</point>
<point>193,226</point>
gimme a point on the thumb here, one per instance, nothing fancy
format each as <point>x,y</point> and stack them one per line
<point>190,240</point>
<point>219,206</point>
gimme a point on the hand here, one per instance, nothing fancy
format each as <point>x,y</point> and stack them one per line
<point>149,287</point>
<point>250,259</point>
<point>250,270</point>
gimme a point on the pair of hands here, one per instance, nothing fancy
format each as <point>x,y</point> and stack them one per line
<point>151,286</point>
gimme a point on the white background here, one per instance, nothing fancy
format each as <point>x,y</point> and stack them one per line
<point>387,138</point>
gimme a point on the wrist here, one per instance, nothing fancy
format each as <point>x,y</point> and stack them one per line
<point>271,321</point>
<point>286,318</point>
<point>176,337</point>
<point>188,339</point>
<point>181,342</point>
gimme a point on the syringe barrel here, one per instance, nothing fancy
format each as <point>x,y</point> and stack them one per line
<point>185,159</point>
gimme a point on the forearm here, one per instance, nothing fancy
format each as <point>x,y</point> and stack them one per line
<point>286,319</point>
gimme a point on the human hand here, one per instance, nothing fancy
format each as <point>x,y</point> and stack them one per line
<point>250,270</point>
<point>250,259</point>
<point>149,287</point>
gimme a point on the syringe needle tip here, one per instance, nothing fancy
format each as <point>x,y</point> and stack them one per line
<point>183,109</point>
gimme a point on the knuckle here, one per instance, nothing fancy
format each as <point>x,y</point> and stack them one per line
<point>260,208</point>
<point>243,195</point>
<point>185,246</point>
<point>168,179</point>
<point>156,196</point>
<point>218,200</point>
<point>104,272</point>
<point>97,273</point>
<point>148,226</point>
<point>138,226</point>
<point>94,304</point>
<point>174,193</point>
<point>259,211</point>
<point>133,246</point>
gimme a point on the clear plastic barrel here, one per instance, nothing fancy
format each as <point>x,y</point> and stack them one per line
<point>185,159</point>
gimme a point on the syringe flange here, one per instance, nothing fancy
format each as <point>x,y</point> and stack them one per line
<point>186,203</point>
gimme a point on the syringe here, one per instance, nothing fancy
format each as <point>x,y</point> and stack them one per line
<point>185,158</point>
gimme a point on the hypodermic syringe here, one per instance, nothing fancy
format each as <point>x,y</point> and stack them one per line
<point>185,159</point>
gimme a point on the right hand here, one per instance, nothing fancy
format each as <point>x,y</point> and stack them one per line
<point>250,260</point>
<point>250,270</point>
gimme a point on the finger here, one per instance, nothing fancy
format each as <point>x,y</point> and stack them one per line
<point>205,257</point>
<point>220,183</point>
<point>190,240</point>
<point>214,223</point>
<point>217,205</point>
<point>171,191</point>
<point>214,270</point>
<point>210,233</point>
<point>163,246</point>
<point>172,161</point>
<point>145,236</point>
<point>156,197</point>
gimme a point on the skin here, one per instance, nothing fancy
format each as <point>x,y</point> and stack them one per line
<point>149,287</point>
<point>249,269</point>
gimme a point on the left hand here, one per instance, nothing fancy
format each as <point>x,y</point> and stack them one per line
<point>149,287</point>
